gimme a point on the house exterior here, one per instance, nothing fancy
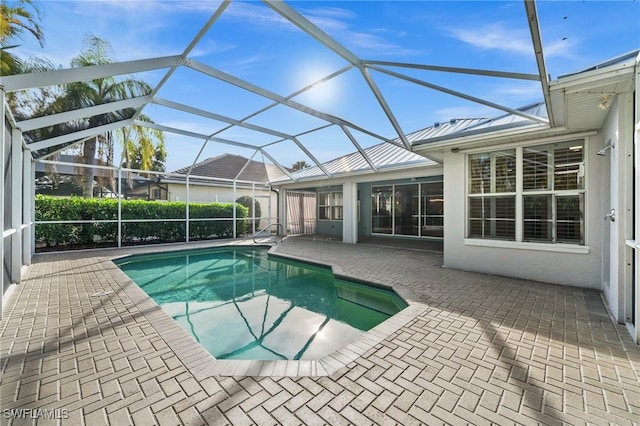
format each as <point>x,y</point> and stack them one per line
<point>212,180</point>
<point>401,197</point>
<point>546,193</point>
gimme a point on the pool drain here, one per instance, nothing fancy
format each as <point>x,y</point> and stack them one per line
<point>102,293</point>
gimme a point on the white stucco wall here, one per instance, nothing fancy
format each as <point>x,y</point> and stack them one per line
<point>208,194</point>
<point>617,128</point>
<point>350,191</point>
<point>582,266</point>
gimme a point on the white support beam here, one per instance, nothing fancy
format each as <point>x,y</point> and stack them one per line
<point>192,134</point>
<point>13,83</point>
<point>532,19</point>
<point>28,196</point>
<point>218,117</point>
<point>52,153</point>
<point>197,157</point>
<point>16,205</point>
<point>3,134</point>
<point>456,70</point>
<point>297,135</point>
<point>77,136</point>
<point>242,169</point>
<point>462,95</point>
<point>187,50</point>
<point>63,117</point>
<point>291,96</point>
<point>228,78</point>
<point>385,107</point>
<point>312,157</point>
<point>308,27</point>
<point>359,148</point>
<point>278,165</point>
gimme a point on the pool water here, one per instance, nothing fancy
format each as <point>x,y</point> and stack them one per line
<point>240,303</point>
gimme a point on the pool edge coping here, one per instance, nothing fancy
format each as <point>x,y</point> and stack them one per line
<point>203,365</point>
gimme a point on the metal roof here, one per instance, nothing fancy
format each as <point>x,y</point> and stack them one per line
<point>472,126</point>
<point>384,156</point>
<point>628,59</point>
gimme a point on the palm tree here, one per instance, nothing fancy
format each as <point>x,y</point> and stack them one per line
<point>15,20</point>
<point>100,91</point>
<point>142,147</point>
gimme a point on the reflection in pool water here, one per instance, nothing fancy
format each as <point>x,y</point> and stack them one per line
<point>241,304</point>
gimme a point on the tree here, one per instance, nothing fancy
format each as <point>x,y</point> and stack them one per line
<point>299,165</point>
<point>247,201</point>
<point>15,20</point>
<point>100,91</point>
<point>142,148</point>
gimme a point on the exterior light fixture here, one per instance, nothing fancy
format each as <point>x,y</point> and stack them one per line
<point>606,102</point>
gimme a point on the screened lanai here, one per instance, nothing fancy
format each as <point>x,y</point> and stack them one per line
<point>276,83</point>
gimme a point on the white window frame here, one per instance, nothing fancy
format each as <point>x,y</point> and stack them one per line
<point>493,193</point>
<point>519,242</point>
<point>331,206</point>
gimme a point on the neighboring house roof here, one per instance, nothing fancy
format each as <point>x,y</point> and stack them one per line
<point>384,156</point>
<point>230,167</point>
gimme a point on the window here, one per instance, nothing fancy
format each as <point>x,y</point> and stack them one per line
<point>492,197</point>
<point>551,194</point>
<point>553,187</point>
<point>330,205</point>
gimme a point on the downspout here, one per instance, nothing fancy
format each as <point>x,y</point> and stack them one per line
<point>277,191</point>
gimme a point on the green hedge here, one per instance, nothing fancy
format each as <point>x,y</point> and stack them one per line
<point>93,234</point>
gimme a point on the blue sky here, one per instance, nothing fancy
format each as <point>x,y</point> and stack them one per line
<point>255,44</point>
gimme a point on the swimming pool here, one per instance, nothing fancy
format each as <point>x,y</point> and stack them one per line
<point>240,303</point>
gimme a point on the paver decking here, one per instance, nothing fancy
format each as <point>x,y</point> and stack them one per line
<point>486,349</point>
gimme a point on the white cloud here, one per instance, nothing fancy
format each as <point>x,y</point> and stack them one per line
<point>258,16</point>
<point>334,22</point>
<point>207,47</point>
<point>497,36</point>
<point>522,90</point>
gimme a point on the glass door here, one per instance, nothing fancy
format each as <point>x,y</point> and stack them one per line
<point>381,209</point>
<point>432,217</point>
<point>406,209</point>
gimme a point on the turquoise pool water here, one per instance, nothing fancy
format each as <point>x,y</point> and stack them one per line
<point>240,303</point>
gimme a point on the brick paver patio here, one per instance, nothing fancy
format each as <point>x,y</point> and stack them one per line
<point>479,349</point>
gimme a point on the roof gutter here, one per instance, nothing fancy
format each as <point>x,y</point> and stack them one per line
<point>494,138</point>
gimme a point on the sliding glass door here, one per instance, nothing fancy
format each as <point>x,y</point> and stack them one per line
<point>405,209</point>
<point>381,209</point>
<point>413,209</point>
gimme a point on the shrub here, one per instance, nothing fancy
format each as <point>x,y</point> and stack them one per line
<point>247,201</point>
<point>144,213</point>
